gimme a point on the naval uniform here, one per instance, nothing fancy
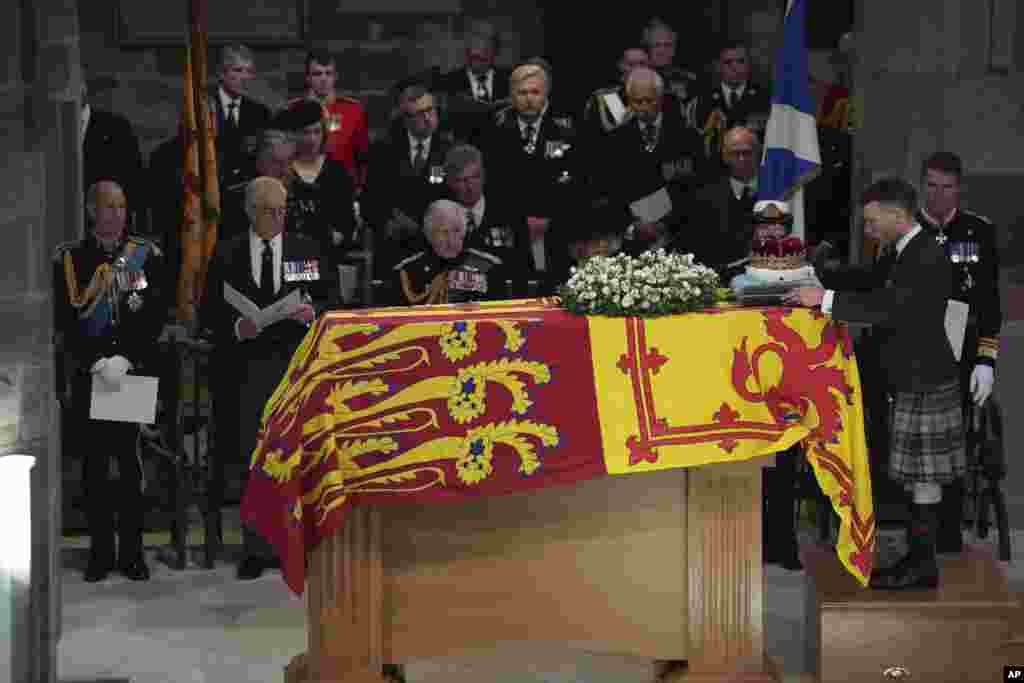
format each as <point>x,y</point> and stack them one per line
<point>426,278</point>
<point>969,240</point>
<point>109,304</point>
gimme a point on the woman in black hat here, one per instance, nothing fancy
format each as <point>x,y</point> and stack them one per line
<point>320,201</point>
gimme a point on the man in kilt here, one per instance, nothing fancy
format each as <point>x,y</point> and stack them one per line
<point>903,296</point>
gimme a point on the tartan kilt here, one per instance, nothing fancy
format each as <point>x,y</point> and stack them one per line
<point>928,442</point>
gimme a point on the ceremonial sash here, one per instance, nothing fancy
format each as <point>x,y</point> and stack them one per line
<point>94,305</point>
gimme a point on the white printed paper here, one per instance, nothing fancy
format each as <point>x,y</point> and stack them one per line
<point>615,106</point>
<point>653,207</point>
<point>956,324</point>
<point>133,401</point>
<point>277,311</point>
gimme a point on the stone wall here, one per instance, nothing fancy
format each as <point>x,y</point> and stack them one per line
<point>376,43</point>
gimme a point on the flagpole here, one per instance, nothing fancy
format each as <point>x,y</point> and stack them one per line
<point>799,216</point>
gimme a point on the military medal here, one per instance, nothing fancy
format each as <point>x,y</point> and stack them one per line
<point>968,281</point>
<point>436,175</point>
<point>940,237</point>
<point>134,301</point>
<point>333,122</point>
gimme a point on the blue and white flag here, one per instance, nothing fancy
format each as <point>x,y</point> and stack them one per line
<point>791,154</point>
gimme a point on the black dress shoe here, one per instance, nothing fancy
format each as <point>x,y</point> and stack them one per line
<point>97,571</point>
<point>907,576</point>
<point>136,571</point>
<point>250,568</point>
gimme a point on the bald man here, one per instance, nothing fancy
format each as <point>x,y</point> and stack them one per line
<point>654,154</point>
<point>531,151</point>
<point>718,229</point>
<point>447,271</point>
<point>111,305</point>
<point>264,264</point>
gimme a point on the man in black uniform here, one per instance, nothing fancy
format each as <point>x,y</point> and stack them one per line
<point>264,265</point>
<point>531,151</point>
<point>473,91</point>
<point>606,108</point>
<point>110,309</point>
<point>405,172</point>
<point>969,241</point>
<point>446,272</point>
<point>661,41</point>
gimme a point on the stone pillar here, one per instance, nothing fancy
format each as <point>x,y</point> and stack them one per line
<point>39,110</point>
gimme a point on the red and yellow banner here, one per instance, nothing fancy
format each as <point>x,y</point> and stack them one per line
<point>445,402</point>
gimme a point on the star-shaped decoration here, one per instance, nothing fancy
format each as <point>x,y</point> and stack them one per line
<point>941,238</point>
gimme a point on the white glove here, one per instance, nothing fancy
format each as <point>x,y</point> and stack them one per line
<point>982,380</point>
<point>112,369</point>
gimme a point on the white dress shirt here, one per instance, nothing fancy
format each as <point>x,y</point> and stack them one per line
<point>536,123</point>
<point>86,115</point>
<point>738,185</point>
<point>901,244</point>
<point>226,100</point>
<point>733,95</point>
<point>488,83</point>
<point>256,253</point>
<point>413,141</point>
<point>478,210</point>
<point>256,260</point>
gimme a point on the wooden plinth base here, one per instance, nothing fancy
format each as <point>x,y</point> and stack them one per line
<point>678,672</point>
<point>948,634</point>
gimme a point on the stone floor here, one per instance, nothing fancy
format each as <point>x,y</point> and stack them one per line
<point>199,626</point>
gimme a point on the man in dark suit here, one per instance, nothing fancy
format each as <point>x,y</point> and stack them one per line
<point>718,231</point>
<point>904,297</point>
<point>660,156</point>
<point>110,151</point>
<point>492,226</point>
<point>660,40</point>
<point>406,171</point>
<point>473,91</point>
<point>530,149</point>
<point>264,264</point>
<point>238,117</point>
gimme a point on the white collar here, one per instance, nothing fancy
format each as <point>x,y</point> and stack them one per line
<point>738,185</point>
<point>737,91</point>
<point>938,223</point>
<point>226,99</point>
<point>413,141</point>
<point>257,242</point>
<point>536,122</point>
<point>902,242</point>
<point>478,209</point>
<point>86,116</point>
<point>488,77</point>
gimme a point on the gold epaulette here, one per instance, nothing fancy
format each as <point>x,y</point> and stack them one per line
<point>58,252</point>
<point>984,219</point>
<point>152,246</point>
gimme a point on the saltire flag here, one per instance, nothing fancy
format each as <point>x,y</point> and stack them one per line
<point>791,154</point>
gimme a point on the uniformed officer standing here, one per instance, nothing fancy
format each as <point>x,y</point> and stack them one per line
<point>970,243</point>
<point>110,310</point>
<point>446,272</point>
<point>531,150</point>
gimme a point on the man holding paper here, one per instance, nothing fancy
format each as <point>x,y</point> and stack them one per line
<point>259,303</point>
<point>110,307</point>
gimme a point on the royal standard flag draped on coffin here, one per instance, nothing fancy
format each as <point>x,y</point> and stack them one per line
<point>449,402</point>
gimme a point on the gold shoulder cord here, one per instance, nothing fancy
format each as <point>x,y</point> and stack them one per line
<point>436,292</point>
<point>100,284</point>
<point>712,130</point>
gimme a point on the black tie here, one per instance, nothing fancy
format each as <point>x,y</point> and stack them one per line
<point>528,132</point>
<point>650,136</point>
<point>729,95</point>
<point>267,271</point>
<point>229,118</point>
<point>470,222</point>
